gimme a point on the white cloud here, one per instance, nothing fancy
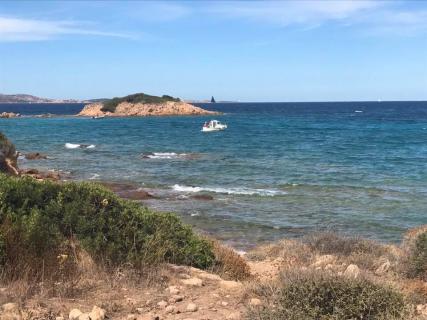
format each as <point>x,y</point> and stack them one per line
<point>285,13</point>
<point>402,22</point>
<point>160,11</point>
<point>15,29</point>
<point>374,17</point>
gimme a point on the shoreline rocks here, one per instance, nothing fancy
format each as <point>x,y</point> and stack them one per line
<point>125,109</point>
<point>35,156</point>
<point>127,191</point>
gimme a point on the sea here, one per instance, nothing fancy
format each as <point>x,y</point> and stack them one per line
<point>280,170</point>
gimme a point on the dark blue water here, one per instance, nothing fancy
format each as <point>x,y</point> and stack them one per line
<point>279,170</point>
<point>42,108</point>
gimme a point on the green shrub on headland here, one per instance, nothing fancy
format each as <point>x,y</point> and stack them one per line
<point>110,105</point>
<point>43,219</point>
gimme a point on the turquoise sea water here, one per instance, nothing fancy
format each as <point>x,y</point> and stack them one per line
<point>280,170</point>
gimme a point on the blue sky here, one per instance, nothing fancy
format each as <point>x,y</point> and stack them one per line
<point>247,51</point>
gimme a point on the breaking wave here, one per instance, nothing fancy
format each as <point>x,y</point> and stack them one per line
<point>237,191</point>
<point>76,146</point>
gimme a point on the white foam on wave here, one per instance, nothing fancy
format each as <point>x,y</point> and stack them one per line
<point>94,176</point>
<point>75,146</point>
<point>237,191</point>
<point>72,146</point>
<point>358,111</point>
<point>164,155</point>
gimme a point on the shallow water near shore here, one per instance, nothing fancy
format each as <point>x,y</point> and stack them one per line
<point>279,170</point>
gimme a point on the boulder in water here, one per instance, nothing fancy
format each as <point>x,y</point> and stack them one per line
<point>35,156</point>
<point>9,115</point>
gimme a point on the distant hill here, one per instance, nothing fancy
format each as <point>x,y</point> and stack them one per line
<point>27,98</point>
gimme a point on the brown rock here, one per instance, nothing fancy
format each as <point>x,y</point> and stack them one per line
<point>173,290</point>
<point>234,316</point>
<point>74,314</point>
<point>9,115</point>
<point>41,175</point>
<point>170,309</point>
<point>127,190</point>
<point>136,195</point>
<point>230,285</point>
<point>193,282</point>
<point>191,307</point>
<point>162,304</point>
<point>97,313</point>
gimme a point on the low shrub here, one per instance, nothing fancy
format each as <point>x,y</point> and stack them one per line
<point>332,243</point>
<point>317,295</point>
<point>41,220</point>
<point>417,261</point>
<point>228,263</point>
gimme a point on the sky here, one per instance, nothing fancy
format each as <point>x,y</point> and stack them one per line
<point>240,51</point>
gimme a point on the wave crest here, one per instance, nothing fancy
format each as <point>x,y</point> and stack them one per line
<point>76,146</point>
<point>237,190</point>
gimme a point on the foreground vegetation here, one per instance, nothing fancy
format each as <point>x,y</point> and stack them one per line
<point>41,221</point>
<point>111,105</point>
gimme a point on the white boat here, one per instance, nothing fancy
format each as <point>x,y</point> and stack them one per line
<point>213,125</point>
<point>98,117</point>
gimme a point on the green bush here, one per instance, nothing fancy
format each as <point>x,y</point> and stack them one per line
<point>321,296</point>
<point>40,219</point>
<point>111,105</point>
<point>418,258</point>
<point>7,151</point>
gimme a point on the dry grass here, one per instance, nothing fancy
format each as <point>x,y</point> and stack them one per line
<point>77,277</point>
<point>228,263</point>
<point>292,251</point>
<point>366,254</point>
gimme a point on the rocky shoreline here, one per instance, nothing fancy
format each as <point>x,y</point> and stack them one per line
<point>125,109</point>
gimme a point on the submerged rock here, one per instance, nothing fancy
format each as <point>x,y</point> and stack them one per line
<point>35,156</point>
<point>203,197</point>
<point>41,175</point>
<point>9,115</point>
<point>128,191</point>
